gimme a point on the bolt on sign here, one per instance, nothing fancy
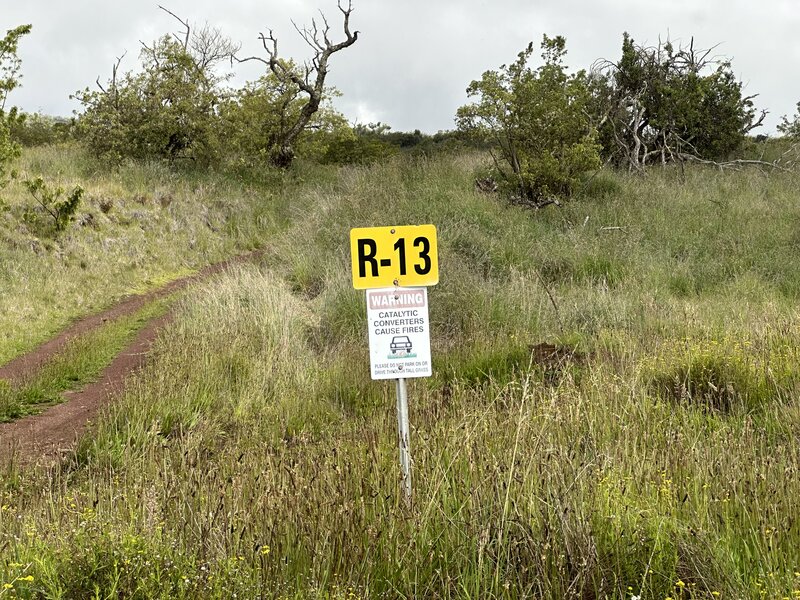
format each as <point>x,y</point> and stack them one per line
<point>404,256</point>
<point>399,333</point>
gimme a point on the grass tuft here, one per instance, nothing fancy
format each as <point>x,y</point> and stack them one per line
<point>724,374</point>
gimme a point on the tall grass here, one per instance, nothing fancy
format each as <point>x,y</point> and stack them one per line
<point>255,457</point>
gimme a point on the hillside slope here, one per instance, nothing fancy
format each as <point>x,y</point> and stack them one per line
<point>613,411</point>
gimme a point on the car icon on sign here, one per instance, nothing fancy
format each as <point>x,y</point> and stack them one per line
<point>400,342</point>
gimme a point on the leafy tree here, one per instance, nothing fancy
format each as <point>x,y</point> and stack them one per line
<point>537,122</point>
<point>10,65</point>
<point>254,120</point>
<point>168,109</point>
<point>662,103</point>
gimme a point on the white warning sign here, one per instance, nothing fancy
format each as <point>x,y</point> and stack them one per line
<point>399,333</point>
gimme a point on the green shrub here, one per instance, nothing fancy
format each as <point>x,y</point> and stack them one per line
<point>538,123</point>
<point>52,203</point>
<point>663,103</point>
<point>9,80</point>
<point>791,128</point>
<point>36,129</point>
<point>347,147</point>
<point>168,110</point>
<point>721,375</point>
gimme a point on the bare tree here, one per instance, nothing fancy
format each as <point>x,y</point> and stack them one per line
<point>309,79</point>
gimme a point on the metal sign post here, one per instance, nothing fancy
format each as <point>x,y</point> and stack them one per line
<point>393,265</point>
<point>404,437</point>
<point>400,349</point>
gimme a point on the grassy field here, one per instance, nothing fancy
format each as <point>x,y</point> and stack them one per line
<point>657,458</point>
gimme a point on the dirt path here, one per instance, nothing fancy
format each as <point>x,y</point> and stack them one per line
<point>56,429</point>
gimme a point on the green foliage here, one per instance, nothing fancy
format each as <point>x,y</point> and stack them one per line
<point>536,120</point>
<point>165,111</point>
<point>36,129</point>
<point>359,145</point>
<point>52,202</point>
<point>10,63</point>
<point>9,149</point>
<point>791,128</point>
<point>9,80</point>
<point>255,121</point>
<point>662,103</point>
<point>374,142</point>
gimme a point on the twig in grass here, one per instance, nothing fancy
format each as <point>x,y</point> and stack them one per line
<point>552,300</point>
<point>650,560</point>
<point>506,502</point>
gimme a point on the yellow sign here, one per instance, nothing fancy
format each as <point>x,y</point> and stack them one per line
<point>403,256</point>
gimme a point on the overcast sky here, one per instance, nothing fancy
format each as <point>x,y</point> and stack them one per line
<point>414,58</point>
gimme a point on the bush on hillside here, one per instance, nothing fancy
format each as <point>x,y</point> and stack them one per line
<point>36,129</point>
<point>791,128</point>
<point>53,210</point>
<point>167,110</point>
<point>537,122</point>
<point>663,103</point>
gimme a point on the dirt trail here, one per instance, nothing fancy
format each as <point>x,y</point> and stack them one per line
<point>57,428</point>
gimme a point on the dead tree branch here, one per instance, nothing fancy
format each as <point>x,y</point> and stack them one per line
<point>737,164</point>
<point>206,46</point>
<point>310,78</point>
<point>186,34</point>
